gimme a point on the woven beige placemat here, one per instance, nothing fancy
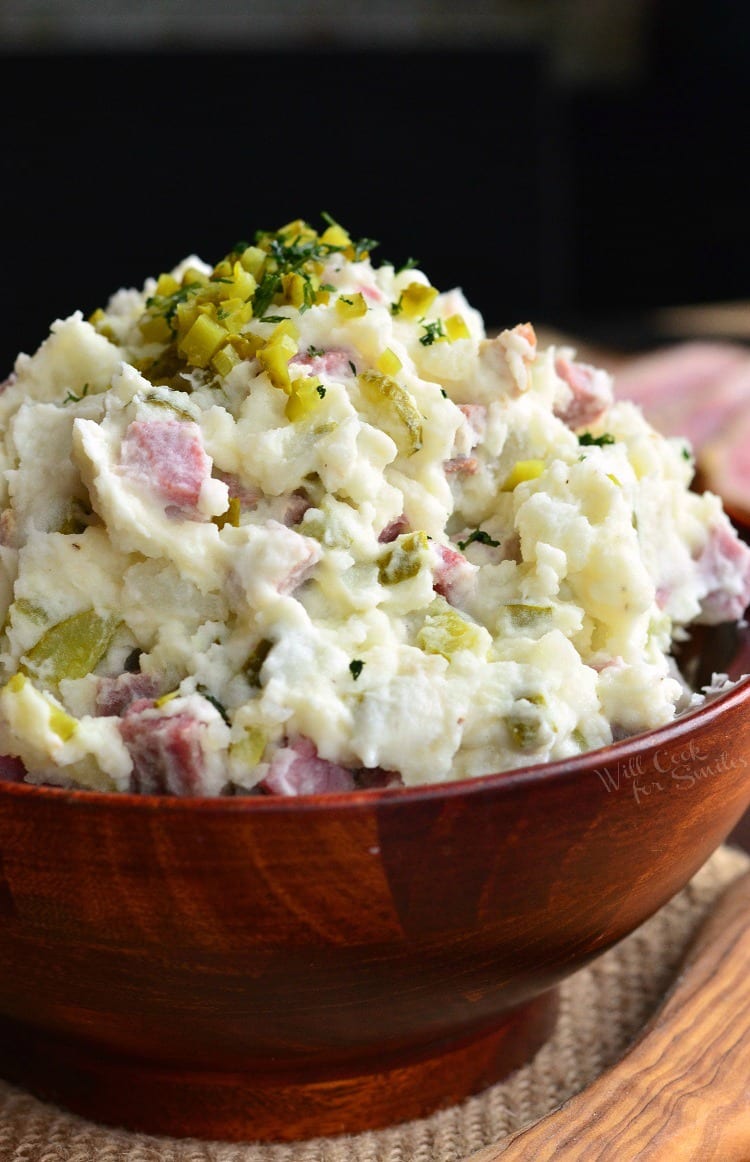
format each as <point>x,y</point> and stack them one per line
<point>602,1008</point>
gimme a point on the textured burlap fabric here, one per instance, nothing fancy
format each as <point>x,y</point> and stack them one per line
<point>602,1008</point>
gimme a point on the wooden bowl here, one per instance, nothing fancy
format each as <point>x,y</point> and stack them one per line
<point>266,968</point>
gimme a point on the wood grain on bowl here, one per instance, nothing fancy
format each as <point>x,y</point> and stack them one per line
<point>277,969</point>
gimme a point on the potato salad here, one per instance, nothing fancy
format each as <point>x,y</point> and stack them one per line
<point>295,523</point>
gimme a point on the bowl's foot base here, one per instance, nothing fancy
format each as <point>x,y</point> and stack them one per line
<point>139,1096</point>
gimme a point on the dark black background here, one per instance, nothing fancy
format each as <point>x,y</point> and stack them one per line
<point>141,159</point>
<point>576,207</point>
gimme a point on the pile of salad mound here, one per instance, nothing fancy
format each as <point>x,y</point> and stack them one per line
<point>294,523</point>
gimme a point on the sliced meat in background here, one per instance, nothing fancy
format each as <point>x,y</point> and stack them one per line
<point>690,389</point>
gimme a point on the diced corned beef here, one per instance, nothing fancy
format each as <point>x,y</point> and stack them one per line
<point>591,390</point>
<point>461,465</point>
<point>373,294</point>
<point>169,457</point>
<point>393,529</point>
<point>663,594</point>
<point>299,502</point>
<point>724,569</point>
<point>166,750</point>
<point>139,704</point>
<point>335,362</point>
<point>454,576</point>
<point>115,695</point>
<point>12,769</point>
<point>297,769</point>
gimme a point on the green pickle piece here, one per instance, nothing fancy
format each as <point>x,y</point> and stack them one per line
<point>248,751</point>
<point>155,402</point>
<point>445,631</point>
<point>525,730</point>
<point>404,559</point>
<point>202,340</point>
<point>30,609</point>
<point>525,616</point>
<point>305,397</point>
<point>325,525</point>
<point>72,648</point>
<point>254,663</point>
<point>76,518</point>
<point>231,516</point>
<point>395,405</point>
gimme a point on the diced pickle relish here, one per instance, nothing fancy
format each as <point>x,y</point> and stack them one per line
<point>73,647</point>
<point>404,559</point>
<point>294,522</point>
<point>524,615</point>
<point>445,631</point>
<point>524,732</point>
<point>397,408</point>
<point>247,751</point>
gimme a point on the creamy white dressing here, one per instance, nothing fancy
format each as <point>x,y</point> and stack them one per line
<point>442,581</point>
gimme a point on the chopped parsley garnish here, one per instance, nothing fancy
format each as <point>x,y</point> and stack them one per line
<point>444,393</point>
<point>166,305</point>
<point>355,668</point>
<point>71,397</point>
<point>481,537</point>
<point>264,293</point>
<point>314,352</point>
<point>294,253</point>
<point>433,332</point>
<point>353,368</point>
<point>589,441</point>
<point>398,306</point>
<point>349,302</point>
<point>321,391</point>
<point>200,323</point>
<point>686,453</point>
<point>410,264</point>
<point>361,248</point>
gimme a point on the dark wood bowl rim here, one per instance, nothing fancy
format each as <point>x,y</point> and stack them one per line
<point>538,775</point>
